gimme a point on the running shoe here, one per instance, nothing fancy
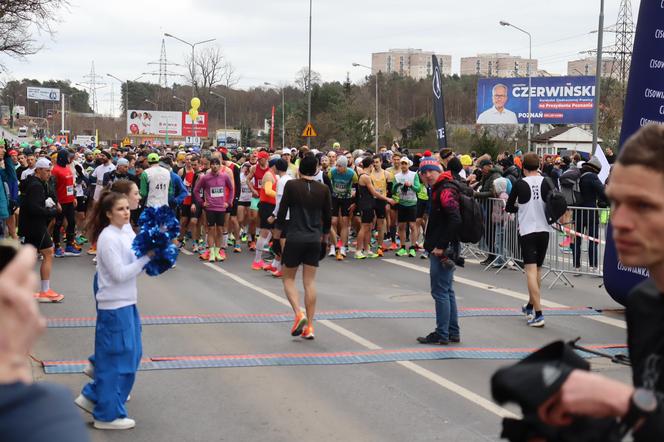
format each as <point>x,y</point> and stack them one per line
<point>59,252</point>
<point>394,246</point>
<point>257,265</point>
<point>70,250</point>
<point>299,324</point>
<point>277,274</point>
<point>212,255</point>
<point>194,247</point>
<point>412,252</point>
<point>81,239</point>
<point>537,321</point>
<point>269,268</point>
<point>372,255</point>
<point>84,404</point>
<point>424,255</point>
<point>379,252</point>
<point>237,248</point>
<point>342,250</point>
<point>340,257</point>
<point>49,296</point>
<point>385,246</point>
<point>402,252</point>
<point>530,314</point>
<point>360,255</point>
<point>204,255</point>
<point>76,246</point>
<point>123,423</point>
<point>244,237</point>
<point>92,250</point>
<point>332,251</point>
<point>221,255</point>
<point>252,246</point>
<point>308,332</point>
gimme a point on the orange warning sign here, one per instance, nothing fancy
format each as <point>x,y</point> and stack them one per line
<point>309,131</point>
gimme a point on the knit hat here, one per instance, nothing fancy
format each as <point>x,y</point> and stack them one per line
<point>430,163</point>
<point>342,161</point>
<point>466,160</point>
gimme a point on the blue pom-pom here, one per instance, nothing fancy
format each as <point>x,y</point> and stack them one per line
<point>157,229</point>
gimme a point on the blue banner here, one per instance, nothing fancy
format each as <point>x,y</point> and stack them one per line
<point>644,104</point>
<point>554,100</point>
<point>438,104</point>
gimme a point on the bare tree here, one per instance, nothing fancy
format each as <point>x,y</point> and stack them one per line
<point>303,75</point>
<point>20,18</point>
<point>209,69</point>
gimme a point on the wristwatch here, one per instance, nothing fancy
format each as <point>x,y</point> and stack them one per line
<point>642,404</point>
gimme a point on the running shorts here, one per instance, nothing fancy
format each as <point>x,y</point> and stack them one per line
<point>296,253</point>
<point>533,247</point>
<point>379,208</point>
<point>367,216</point>
<point>341,204</point>
<point>254,204</point>
<point>422,208</point>
<point>264,212</point>
<point>40,239</point>
<point>407,214</point>
<point>215,218</point>
<point>81,204</point>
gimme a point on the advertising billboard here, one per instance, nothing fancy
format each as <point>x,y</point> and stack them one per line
<point>200,129</point>
<point>144,122</point>
<point>554,100</point>
<point>161,123</point>
<point>43,93</point>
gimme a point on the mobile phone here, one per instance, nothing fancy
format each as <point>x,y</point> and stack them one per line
<point>8,250</point>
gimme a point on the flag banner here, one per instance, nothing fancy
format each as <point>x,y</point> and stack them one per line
<point>438,104</point>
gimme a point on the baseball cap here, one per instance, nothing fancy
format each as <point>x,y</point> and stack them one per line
<point>13,152</point>
<point>153,158</point>
<point>273,162</point>
<point>43,163</point>
<point>123,162</point>
<point>485,162</point>
<point>263,154</point>
<point>286,151</point>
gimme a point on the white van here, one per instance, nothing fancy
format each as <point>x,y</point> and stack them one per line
<point>22,132</point>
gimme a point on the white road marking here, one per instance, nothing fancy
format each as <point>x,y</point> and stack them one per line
<point>427,374</point>
<point>507,292</point>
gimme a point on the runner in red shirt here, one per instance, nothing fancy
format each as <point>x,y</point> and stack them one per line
<point>64,186</point>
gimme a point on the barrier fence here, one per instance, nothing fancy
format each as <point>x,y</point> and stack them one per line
<point>576,242</point>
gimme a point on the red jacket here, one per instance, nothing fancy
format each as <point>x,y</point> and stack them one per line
<point>64,184</point>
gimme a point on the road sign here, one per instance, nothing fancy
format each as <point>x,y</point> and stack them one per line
<point>126,142</point>
<point>192,140</point>
<point>309,131</point>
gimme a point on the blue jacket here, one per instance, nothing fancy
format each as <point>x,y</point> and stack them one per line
<point>177,190</point>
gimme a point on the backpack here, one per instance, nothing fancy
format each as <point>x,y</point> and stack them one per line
<point>555,205</point>
<point>569,186</point>
<point>472,216</point>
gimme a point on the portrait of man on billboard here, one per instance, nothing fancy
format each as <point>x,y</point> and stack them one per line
<point>498,113</point>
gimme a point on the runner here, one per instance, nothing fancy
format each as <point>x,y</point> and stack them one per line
<point>217,188</point>
<point>367,198</point>
<point>380,179</point>
<point>244,201</point>
<point>281,168</point>
<point>266,204</point>
<point>531,192</point>
<point>37,210</point>
<point>309,205</point>
<point>155,183</point>
<point>404,190</point>
<point>188,214</point>
<point>255,181</point>
<point>116,361</point>
<point>64,186</point>
<point>342,180</point>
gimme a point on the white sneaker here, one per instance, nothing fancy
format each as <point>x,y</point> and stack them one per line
<point>332,251</point>
<point>89,371</point>
<point>84,403</point>
<point>117,424</point>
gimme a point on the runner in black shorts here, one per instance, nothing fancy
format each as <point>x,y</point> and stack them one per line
<point>264,212</point>
<point>215,218</point>
<point>533,247</point>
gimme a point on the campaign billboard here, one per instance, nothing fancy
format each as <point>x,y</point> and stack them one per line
<point>145,122</point>
<point>43,93</point>
<point>200,129</point>
<point>554,100</point>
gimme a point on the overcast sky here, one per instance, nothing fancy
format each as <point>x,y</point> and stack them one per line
<point>268,41</point>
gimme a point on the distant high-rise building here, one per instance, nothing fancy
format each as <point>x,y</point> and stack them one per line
<point>413,63</point>
<point>588,66</point>
<point>498,65</point>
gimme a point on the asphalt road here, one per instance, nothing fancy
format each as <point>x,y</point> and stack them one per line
<point>445,400</point>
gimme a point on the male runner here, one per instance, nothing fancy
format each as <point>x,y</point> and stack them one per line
<point>342,180</point>
<point>405,188</point>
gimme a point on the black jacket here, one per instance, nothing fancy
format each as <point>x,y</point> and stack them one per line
<point>445,216</point>
<point>486,189</point>
<point>592,189</point>
<point>34,215</point>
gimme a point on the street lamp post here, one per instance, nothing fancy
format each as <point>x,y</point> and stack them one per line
<point>309,76</point>
<point>598,73</point>
<point>225,127</point>
<point>283,111</point>
<point>193,60</point>
<point>530,74</point>
<point>376,122</point>
<point>126,87</point>
<point>175,97</point>
<point>153,103</point>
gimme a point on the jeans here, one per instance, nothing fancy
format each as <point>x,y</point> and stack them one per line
<point>586,222</point>
<point>447,320</point>
<point>499,230</point>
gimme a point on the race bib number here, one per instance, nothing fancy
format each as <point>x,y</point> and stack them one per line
<point>160,186</point>
<point>70,190</point>
<point>217,192</point>
<point>340,188</point>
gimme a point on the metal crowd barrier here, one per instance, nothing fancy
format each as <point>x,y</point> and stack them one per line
<point>576,242</point>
